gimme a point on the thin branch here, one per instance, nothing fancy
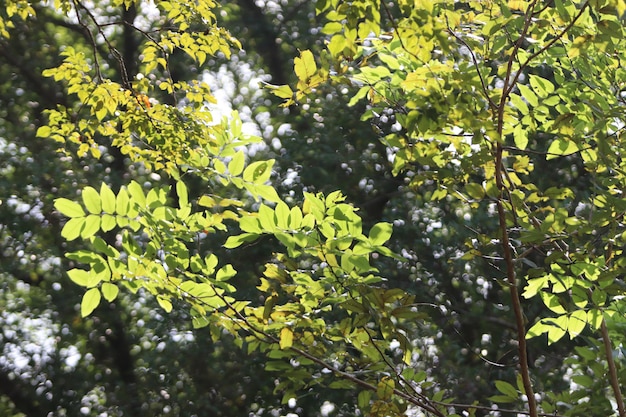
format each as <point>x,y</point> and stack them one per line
<point>492,105</point>
<point>345,375</point>
<point>116,54</point>
<point>608,350</point>
<point>499,410</point>
<point>544,48</point>
<point>92,42</point>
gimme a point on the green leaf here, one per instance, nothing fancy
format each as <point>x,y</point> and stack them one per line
<point>583,380</point>
<point>476,191</point>
<point>561,147</point>
<point>529,95</point>
<point>108,199</point>
<point>122,202</point>
<point>91,300</point>
<point>181,192</point>
<point>380,233</point>
<point>79,276</point>
<point>236,165</point>
<point>69,208</point>
<point>507,389</point>
<point>110,291</point>
<point>91,226</point>
<point>363,400</point>
<point>502,399</point>
<point>92,201</point>
<point>73,228</point>
<point>541,86</point>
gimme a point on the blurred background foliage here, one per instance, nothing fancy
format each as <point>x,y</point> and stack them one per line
<point>130,359</point>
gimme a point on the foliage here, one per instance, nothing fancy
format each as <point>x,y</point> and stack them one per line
<point>486,97</point>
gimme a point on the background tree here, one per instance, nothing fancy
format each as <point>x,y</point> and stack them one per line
<point>466,108</point>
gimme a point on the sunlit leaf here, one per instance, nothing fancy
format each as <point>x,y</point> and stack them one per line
<point>91,300</point>
<point>69,208</point>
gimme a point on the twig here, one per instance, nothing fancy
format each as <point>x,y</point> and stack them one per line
<point>492,105</point>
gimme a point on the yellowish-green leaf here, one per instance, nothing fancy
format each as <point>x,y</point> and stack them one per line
<point>79,276</point>
<point>541,86</point>
<point>110,291</point>
<point>92,201</point>
<point>73,228</point>
<point>519,103</point>
<point>385,388</point>
<point>305,66</point>
<point>476,191</point>
<point>529,95</point>
<point>236,165</point>
<point>576,323</point>
<point>107,198</point>
<point>91,300</point>
<point>286,338</point>
<point>561,147</point>
<point>69,208</point>
<point>520,136</point>
<point>165,304</point>
<point>91,226</point>
<point>122,202</point>
<point>380,233</point>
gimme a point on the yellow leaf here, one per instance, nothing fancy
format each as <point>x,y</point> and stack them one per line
<point>305,66</point>
<point>286,338</point>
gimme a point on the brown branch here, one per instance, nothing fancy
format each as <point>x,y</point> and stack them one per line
<point>116,54</point>
<point>499,410</point>
<point>508,82</point>
<point>92,41</point>
<point>506,244</point>
<point>515,298</point>
<point>543,49</point>
<point>608,351</point>
<point>268,338</point>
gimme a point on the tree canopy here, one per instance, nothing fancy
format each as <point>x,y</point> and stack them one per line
<point>407,208</point>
